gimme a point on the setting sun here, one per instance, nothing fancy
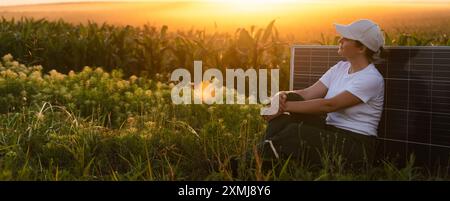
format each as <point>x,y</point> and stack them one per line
<point>253,5</point>
<point>256,1</point>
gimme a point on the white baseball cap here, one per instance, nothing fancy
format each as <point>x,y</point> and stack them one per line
<point>364,31</point>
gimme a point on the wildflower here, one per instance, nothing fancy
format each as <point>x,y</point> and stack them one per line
<point>132,130</point>
<point>139,92</point>
<point>133,78</point>
<point>23,93</point>
<point>159,85</point>
<point>123,84</point>
<point>87,69</point>
<point>15,64</point>
<point>105,75</point>
<point>71,74</point>
<point>120,85</point>
<point>36,75</point>
<point>131,120</point>
<point>99,71</point>
<point>22,76</point>
<point>9,74</point>
<point>7,58</point>
<point>150,124</point>
<point>11,154</point>
<point>116,74</point>
<point>148,93</point>
<point>56,75</point>
<point>40,116</point>
<point>38,68</point>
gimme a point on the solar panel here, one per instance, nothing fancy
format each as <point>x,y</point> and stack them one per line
<point>416,115</point>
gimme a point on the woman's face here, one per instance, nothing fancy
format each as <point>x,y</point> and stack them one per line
<point>348,48</point>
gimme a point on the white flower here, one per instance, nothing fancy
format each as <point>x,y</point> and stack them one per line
<point>56,75</point>
<point>11,154</point>
<point>133,78</point>
<point>87,69</point>
<point>36,75</point>
<point>40,116</point>
<point>99,70</point>
<point>120,85</point>
<point>38,68</point>
<point>148,92</point>
<point>22,76</point>
<point>9,74</point>
<point>8,57</point>
<point>15,64</point>
<point>71,73</point>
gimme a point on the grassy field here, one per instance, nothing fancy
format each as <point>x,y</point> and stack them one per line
<point>115,120</point>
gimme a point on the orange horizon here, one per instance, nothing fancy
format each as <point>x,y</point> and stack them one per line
<point>304,20</point>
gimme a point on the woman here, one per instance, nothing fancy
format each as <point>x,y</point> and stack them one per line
<point>351,94</point>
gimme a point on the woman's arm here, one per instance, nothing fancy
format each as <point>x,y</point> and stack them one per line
<point>321,105</point>
<point>317,90</point>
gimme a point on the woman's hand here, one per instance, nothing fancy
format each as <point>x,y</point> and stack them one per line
<point>282,97</point>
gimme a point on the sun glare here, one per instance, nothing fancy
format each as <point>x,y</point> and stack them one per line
<point>254,5</point>
<point>257,1</point>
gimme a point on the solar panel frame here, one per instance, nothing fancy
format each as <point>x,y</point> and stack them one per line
<point>420,78</point>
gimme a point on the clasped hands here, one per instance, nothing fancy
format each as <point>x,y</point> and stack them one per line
<point>282,99</point>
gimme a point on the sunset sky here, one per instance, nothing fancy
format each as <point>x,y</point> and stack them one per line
<point>19,2</point>
<point>302,18</point>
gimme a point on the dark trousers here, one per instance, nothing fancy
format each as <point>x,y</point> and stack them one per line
<point>306,137</point>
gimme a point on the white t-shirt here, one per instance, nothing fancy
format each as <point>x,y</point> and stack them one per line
<point>366,84</point>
